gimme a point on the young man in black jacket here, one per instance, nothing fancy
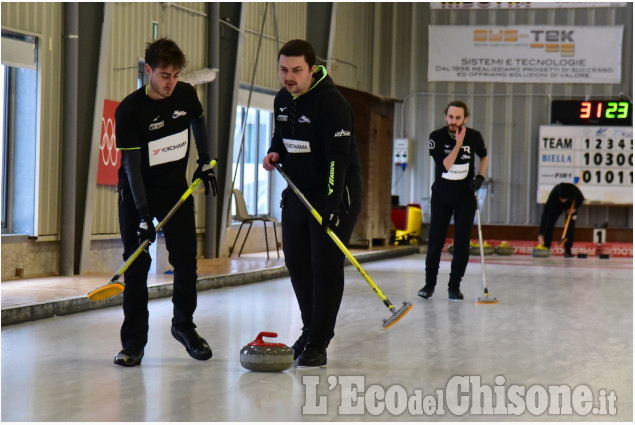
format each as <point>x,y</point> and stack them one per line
<point>453,149</point>
<point>152,129</point>
<point>564,197</point>
<point>314,142</point>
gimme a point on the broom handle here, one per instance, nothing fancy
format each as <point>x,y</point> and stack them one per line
<point>337,240</point>
<point>146,242</point>
<point>480,242</point>
<point>563,239</point>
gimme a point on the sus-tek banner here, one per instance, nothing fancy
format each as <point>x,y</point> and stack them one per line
<point>525,54</point>
<point>109,157</point>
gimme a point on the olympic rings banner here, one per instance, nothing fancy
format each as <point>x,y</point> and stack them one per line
<point>109,156</point>
<point>525,54</point>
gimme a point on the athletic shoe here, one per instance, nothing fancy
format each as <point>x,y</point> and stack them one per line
<point>426,292</point>
<point>455,295</point>
<point>196,346</point>
<point>568,254</point>
<point>299,345</point>
<point>314,355</point>
<point>130,356</point>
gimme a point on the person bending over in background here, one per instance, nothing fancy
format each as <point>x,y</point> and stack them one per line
<point>561,199</point>
<point>453,149</point>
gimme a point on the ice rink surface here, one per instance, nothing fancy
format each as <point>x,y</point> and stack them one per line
<point>557,347</point>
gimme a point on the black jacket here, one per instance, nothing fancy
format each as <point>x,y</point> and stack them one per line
<point>314,136</point>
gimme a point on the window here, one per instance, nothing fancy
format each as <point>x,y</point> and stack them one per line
<point>142,77</point>
<point>251,179</point>
<point>19,132</point>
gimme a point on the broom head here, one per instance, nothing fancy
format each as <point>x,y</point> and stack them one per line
<point>106,291</point>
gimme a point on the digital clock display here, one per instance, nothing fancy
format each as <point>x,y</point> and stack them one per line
<point>592,112</point>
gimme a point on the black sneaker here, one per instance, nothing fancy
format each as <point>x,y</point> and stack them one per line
<point>426,292</point>
<point>314,355</point>
<point>196,346</point>
<point>455,295</point>
<point>130,356</point>
<point>299,345</point>
<point>568,254</point>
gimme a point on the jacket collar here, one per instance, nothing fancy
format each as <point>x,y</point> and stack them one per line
<point>316,75</point>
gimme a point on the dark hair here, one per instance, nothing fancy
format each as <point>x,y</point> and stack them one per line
<point>299,48</point>
<point>458,104</point>
<point>163,53</point>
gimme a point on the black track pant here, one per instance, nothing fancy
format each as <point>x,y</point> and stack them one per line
<point>180,239</point>
<point>463,207</point>
<point>550,223</point>
<point>315,263</point>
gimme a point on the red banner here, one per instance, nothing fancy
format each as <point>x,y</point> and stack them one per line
<point>109,157</point>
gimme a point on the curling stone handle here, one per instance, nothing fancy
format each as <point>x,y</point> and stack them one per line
<point>261,335</point>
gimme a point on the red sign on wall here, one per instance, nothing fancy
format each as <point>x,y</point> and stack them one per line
<point>109,157</point>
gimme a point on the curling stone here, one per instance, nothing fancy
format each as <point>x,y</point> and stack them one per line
<point>262,356</point>
<point>504,248</point>
<point>475,248</point>
<point>540,251</point>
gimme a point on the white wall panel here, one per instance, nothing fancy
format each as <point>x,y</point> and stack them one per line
<point>44,20</point>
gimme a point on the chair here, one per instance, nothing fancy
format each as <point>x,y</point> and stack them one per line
<point>243,216</point>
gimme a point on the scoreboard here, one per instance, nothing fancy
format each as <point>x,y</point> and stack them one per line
<point>590,142</point>
<point>601,156</point>
<point>592,112</point>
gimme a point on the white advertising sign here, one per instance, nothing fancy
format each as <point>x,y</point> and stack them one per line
<point>602,157</point>
<point>525,54</point>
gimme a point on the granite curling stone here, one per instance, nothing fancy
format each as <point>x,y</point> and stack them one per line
<point>475,248</point>
<point>504,248</point>
<point>540,251</point>
<point>262,356</point>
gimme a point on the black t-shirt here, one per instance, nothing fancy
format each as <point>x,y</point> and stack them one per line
<point>462,171</point>
<point>160,129</point>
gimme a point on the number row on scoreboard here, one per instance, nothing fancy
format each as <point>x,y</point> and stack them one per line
<point>604,159</point>
<point>607,177</point>
<point>607,143</point>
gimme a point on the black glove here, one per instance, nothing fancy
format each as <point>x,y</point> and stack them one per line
<point>146,230</point>
<point>330,220</point>
<point>207,177</point>
<point>478,181</point>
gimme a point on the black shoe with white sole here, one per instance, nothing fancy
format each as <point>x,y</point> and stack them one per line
<point>455,295</point>
<point>314,355</point>
<point>196,346</point>
<point>130,356</point>
<point>426,292</point>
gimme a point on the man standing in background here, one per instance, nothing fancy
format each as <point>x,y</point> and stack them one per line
<point>453,149</point>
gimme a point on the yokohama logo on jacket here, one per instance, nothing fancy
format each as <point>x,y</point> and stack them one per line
<point>168,149</point>
<point>296,146</point>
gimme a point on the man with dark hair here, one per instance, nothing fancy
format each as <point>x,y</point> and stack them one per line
<point>314,142</point>
<point>152,130</point>
<point>564,197</point>
<point>453,149</point>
